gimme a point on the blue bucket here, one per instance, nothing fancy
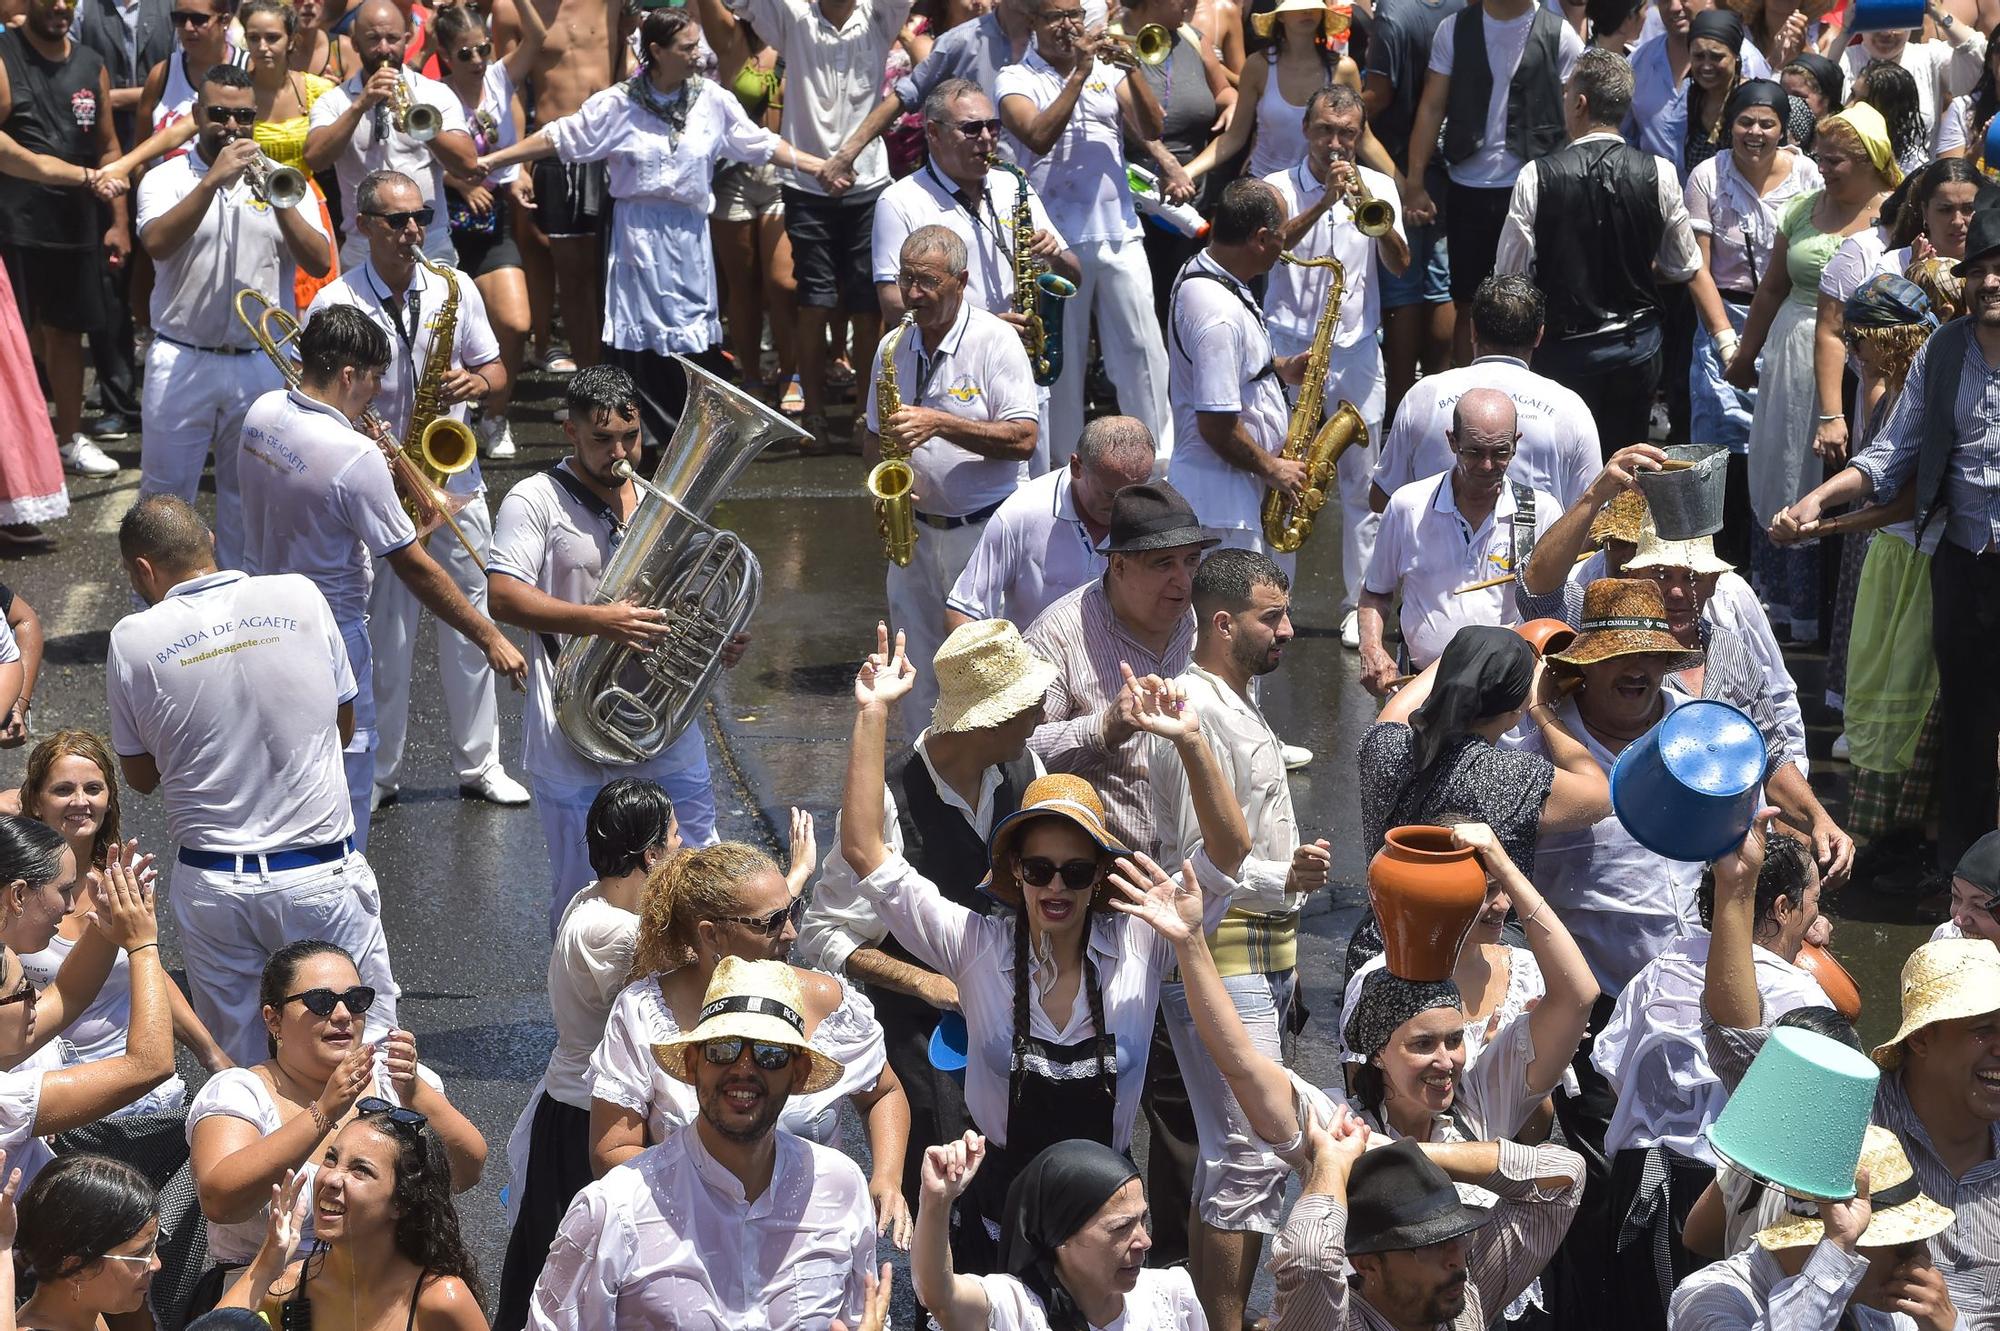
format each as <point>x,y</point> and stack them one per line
<point>1884,15</point>
<point>948,1046</point>
<point>1991,156</point>
<point>1688,788</point>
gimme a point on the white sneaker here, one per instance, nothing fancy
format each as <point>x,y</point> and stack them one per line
<point>1840,750</point>
<point>1295,756</point>
<point>81,457</point>
<point>495,787</point>
<point>1350,631</point>
<point>381,795</point>
<point>496,438</point>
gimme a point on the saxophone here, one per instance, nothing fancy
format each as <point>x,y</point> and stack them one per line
<point>440,445</point>
<point>1037,291</point>
<point>892,483</point>
<point>1288,522</point>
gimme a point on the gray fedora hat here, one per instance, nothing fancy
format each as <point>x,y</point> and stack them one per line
<point>1154,516</point>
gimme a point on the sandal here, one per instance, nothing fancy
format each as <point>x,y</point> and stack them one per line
<point>794,400</point>
<point>553,361</point>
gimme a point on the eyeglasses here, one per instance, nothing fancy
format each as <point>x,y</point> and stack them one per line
<point>397,221</point>
<point>25,994</point>
<point>770,1057</point>
<point>922,281</point>
<point>1076,874</point>
<point>188,18</point>
<point>1057,18</point>
<point>482,51</point>
<point>1497,456</point>
<point>142,1258</point>
<point>223,115</point>
<point>770,925</point>
<point>972,129</point>
<point>322,1002</point>
<point>399,1115</point>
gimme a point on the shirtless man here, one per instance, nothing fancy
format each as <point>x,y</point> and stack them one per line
<point>1220,22</point>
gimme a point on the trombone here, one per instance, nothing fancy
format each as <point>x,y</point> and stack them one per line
<point>1150,47</point>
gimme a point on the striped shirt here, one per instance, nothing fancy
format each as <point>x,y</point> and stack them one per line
<point>1968,1253</point>
<point>1083,639</point>
<point>1502,1257</point>
<point>1972,472</point>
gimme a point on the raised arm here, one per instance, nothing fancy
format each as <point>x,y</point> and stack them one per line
<point>1729,985</point>
<point>957,1302</point>
<point>1555,554</point>
<point>520,62</point>
<point>883,679</point>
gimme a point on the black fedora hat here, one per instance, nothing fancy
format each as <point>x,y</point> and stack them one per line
<point>1397,1199</point>
<point>1154,517</point>
<point>1981,238</point>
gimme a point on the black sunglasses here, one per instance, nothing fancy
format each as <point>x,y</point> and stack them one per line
<point>770,1057</point>
<point>768,925</point>
<point>483,50</point>
<point>322,1002</point>
<point>189,18</point>
<point>223,115</point>
<point>1076,874</point>
<point>397,221</point>
<point>397,1114</point>
<point>25,994</point>
<point>972,129</point>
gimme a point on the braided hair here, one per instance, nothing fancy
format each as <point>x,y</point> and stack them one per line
<point>1105,1048</point>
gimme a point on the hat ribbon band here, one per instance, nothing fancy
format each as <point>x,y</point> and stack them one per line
<point>766,1007</point>
<point>1900,1194</point>
<point>1625,622</point>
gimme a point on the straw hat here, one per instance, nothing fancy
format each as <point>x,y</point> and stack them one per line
<point>1623,519</point>
<point>1624,617</point>
<point>1948,980</point>
<point>1057,795</point>
<point>1267,22</point>
<point>1902,1213</point>
<point>751,1000</point>
<point>1696,555</point>
<point>986,676</point>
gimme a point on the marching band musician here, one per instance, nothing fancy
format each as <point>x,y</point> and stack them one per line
<point>318,500</point>
<point>553,538</point>
<point>211,233</point>
<point>1319,193</point>
<point>405,299</point>
<point>967,420</point>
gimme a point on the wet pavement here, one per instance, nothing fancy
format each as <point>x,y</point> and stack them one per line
<point>464,884</point>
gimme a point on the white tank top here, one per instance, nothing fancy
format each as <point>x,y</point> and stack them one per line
<point>1281,129</point>
<point>177,96</point>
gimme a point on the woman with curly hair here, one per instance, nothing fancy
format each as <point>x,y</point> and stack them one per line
<point>1890,89</point>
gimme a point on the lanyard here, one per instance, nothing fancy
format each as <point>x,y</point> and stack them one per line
<point>394,306</point>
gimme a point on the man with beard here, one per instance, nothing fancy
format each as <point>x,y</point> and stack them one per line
<point>735,1223</point>
<point>356,129</point>
<point>1238,829</point>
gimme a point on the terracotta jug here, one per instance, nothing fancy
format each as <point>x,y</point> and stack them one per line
<point>1819,963</point>
<point>1426,893</point>
<point>1546,635</point>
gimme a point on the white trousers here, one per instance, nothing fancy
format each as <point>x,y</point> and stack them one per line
<point>1239,1185</point>
<point>232,922</point>
<point>472,713</point>
<point>1117,287</point>
<point>1353,374</point>
<point>195,401</point>
<point>564,809</point>
<point>916,608</point>
<point>358,758</point>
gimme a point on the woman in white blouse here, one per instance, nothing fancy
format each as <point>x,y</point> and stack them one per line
<point>661,132</point>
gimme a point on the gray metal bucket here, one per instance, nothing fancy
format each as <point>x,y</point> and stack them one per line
<point>1685,500</point>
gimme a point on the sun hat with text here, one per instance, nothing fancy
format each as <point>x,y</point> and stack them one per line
<point>1623,617</point>
<point>761,1001</point>
<point>986,676</point>
<point>1948,980</point>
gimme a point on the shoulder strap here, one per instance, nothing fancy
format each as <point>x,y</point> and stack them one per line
<point>592,505</point>
<point>1522,536</point>
<point>1201,275</point>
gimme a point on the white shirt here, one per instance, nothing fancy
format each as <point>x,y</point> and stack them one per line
<point>496,99</point>
<point>1558,451</point>
<point>317,500</point>
<point>1751,1291</point>
<point>1491,166</point>
<point>1942,70</point>
<point>978,372</point>
<point>1082,178</point>
<point>1957,131</point>
<point>1294,296</point>
<point>20,1105</point>
<point>473,342</point>
<point>1741,223</point>
<point>233,684</point>
<point>236,244</point>
<point>1034,551</point>
<point>1163,1300</point>
<point>100,1032</point>
<point>1678,258</point>
<point>587,969</point>
<point>365,152</point>
<point>1219,360</point>
<point>643,162</point>
<point>669,1239</point>
<point>833,78</point>
<point>927,198</point>
<point>1427,548</point>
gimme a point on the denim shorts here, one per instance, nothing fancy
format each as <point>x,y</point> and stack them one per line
<point>1427,280</point>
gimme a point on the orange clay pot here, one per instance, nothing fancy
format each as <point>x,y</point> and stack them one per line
<point>1426,893</point>
<point>1817,962</point>
<point>1546,635</point>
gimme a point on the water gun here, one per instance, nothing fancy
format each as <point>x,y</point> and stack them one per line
<point>1153,205</point>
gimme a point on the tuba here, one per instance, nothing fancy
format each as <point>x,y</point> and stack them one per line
<point>1037,291</point>
<point>1288,522</point>
<point>892,484</point>
<point>620,704</point>
<point>441,445</point>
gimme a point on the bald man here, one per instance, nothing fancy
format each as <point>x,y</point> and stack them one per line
<point>1468,525</point>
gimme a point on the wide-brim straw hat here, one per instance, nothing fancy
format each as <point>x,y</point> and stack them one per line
<point>1623,519</point>
<point>751,1000</point>
<point>986,676</point>
<point>1267,22</point>
<point>1624,617</point>
<point>1696,555</point>
<point>1948,980</point>
<point>1901,1214</point>
<point>1057,795</point>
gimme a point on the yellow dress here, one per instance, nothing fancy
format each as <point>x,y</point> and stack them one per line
<point>284,142</point>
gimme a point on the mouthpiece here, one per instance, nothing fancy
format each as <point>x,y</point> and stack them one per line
<point>622,469</point>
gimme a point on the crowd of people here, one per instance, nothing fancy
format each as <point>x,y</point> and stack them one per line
<point>1145,301</point>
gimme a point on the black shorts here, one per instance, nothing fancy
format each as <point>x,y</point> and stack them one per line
<point>1472,221</point>
<point>570,200</point>
<point>483,252</point>
<point>833,250</point>
<point>63,289</point>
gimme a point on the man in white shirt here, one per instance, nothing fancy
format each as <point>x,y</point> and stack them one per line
<point>1221,800</point>
<point>355,129</point>
<point>318,499</point>
<point>1470,525</point>
<point>231,695</point>
<point>210,236</point>
<point>1229,401</point>
<point>967,425</point>
<point>1065,112</point>
<point>552,540</point>
<point>1043,542</point>
<point>1319,194</point>
<point>1558,453</point>
<point>406,300</point>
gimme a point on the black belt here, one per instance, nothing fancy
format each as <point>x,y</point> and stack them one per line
<point>1740,297</point>
<point>953,524</point>
<point>213,351</point>
<point>267,862</point>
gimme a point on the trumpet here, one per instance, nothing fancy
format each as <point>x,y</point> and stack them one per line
<point>1151,46</point>
<point>1372,216</point>
<point>411,116</point>
<point>275,184</point>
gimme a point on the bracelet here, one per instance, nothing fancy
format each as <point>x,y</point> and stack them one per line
<point>135,951</point>
<point>1824,418</point>
<point>319,1119</point>
<point>1535,914</point>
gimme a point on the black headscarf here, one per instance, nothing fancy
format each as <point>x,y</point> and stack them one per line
<point>1827,74</point>
<point>1050,1200</point>
<point>1756,92</point>
<point>1387,1001</point>
<point>1484,672</point>
<point>1719,25</point>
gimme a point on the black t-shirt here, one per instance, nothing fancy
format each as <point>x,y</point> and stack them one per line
<point>54,111</point>
<point>1400,51</point>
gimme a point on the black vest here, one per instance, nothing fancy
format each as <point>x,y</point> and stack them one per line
<point>54,111</point>
<point>1599,209</point>
<point>1944,363</point>
<point>1534,98</point>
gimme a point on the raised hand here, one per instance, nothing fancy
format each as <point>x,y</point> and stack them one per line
<point>1847,1221</point>
<point>948,1169</point>
<point>285,1219</point>
<point>1476,837</point>
<point>1159,706</point>
<point>1736,872</point>
<point>805,852</point>
<point>1171,909</point>
<point>1312,865</point>
<point>350,1078</point>
<point>885,676</point>
<point>10,1219</point>
<point>399,1060</point>
<point>125,905</point>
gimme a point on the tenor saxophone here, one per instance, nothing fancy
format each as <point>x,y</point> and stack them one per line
<point>1037,291</point>
<point>1287,521</point>
<point>892,484</point>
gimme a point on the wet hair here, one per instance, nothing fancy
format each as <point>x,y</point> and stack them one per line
<point>78,1209</point>
<point>629,817</point>
<point>1604,80</point>
<point>690,887</point>
<point>1110,437</point>
<point>1823,1021</point>
<point>75,744</point>
<point>937,106</point>
<point>1508,311</point>
<point>941,241</point>
<point>1225,580</point>
<point>427,1229</point>
<point>226,76</point>
<point>30,851</point>
<point>1923,185</point>
<point>1892,90</point>
<point>283,969</point>
<point>601,390</point>
<point>1335,97</point>
<point>453,24</point>
<point>1247,207</point>
<point>1787,871</point>
<point>278,9</point>
<point>165,531</point>
<point>368,194</point>
<point>338,338</point>
<point>660,29</point>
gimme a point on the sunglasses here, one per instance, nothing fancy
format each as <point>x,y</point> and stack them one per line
<point>1076,874</point>
<point>142,1258</point>
<point>770,1057</point>
<point>397,221</point>
<point>188,18</point>
<point>769,925</point>
<point>483,51</point>
<point>25,994</point>
<point>972,129</point>
<point>397,1114</point>
<point>322,1002</point>
<point>223,115</point>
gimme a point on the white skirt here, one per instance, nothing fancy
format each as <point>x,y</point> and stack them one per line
<point>660,286</point>
<point>1782,464</point>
